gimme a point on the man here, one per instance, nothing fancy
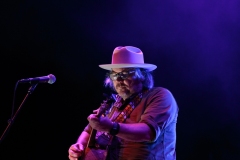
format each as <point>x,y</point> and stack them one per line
<point>141,122</point>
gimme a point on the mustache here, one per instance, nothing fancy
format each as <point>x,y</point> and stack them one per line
<point>121,85</point>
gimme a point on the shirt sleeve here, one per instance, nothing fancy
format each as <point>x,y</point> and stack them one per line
<point>161,110</point>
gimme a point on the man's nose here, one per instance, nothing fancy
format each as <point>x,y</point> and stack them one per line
<point>119,78</point>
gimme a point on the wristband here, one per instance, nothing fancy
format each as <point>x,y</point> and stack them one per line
<point>115,129</point>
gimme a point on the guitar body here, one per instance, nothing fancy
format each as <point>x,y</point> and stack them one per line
<point>94,154</point>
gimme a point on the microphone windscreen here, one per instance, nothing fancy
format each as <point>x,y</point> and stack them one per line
<point>52,79</point>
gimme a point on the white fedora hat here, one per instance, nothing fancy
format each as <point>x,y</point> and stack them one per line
<point>128,57</point>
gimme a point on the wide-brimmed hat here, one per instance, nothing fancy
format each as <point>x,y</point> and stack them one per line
<point>128,57</point>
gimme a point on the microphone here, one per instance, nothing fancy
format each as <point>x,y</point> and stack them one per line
<point>44,79</point>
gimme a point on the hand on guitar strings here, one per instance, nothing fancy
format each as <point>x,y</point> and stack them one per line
<point>75,151</point>
<point>100,123</point>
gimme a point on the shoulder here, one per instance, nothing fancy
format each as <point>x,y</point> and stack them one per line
<point>160,91</point>
<point>160,95</point>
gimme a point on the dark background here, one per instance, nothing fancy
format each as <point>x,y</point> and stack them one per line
<point>195,45</point>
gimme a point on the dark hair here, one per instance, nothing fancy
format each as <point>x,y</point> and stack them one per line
<point>141,74</point>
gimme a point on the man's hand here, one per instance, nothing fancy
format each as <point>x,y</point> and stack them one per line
<point>101,124</point>
<point>75,151</point>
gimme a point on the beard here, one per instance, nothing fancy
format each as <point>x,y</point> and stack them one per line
<point>126,90</point>
<point>123,91</point>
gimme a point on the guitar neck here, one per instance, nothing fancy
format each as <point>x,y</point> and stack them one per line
<point>91,140</point>
<point>104,106</point>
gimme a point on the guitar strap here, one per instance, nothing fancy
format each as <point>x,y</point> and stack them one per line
<point>127,107</point>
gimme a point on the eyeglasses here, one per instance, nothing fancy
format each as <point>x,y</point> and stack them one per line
<point>123,75</point>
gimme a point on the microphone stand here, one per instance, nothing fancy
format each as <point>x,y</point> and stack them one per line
<point>10,121</point>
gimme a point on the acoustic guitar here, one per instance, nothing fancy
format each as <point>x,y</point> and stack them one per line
<point>91,151</point>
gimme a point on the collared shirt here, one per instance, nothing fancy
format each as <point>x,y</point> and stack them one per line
<point>159,110</point>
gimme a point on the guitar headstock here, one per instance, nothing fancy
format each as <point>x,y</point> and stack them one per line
<point>106,104</point>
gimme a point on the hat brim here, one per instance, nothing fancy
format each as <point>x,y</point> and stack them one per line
<point>149,67</point>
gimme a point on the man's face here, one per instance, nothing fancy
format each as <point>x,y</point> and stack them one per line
<point>125,81</point>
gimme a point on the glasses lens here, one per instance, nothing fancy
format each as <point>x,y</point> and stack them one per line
<point>122,75</point>
<point>113,76</point>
